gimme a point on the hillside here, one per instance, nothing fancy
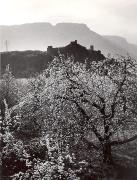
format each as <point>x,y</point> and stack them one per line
<point>37,36</point>
<point>123,43</point>
<point>27,63</point>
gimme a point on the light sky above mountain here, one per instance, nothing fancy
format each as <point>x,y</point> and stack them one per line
<point>106,17</point>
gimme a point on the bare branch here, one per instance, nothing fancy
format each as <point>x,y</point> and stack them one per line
<point>114,143</point>
<point>90,144</point>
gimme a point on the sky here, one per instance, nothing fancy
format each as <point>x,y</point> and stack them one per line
<point>106,17</point>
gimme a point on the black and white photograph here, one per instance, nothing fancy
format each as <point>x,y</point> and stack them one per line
<point>68,89</point>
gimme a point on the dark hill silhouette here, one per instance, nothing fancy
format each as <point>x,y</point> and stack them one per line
<point>27,63</point>
<point>24,64</point>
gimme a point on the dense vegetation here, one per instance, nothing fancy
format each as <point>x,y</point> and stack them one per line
<point>25,64</point>
<point>69,121</point>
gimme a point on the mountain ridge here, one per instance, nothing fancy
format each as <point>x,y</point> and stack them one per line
<point>37,36</point>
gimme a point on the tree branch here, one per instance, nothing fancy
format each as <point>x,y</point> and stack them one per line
<point>90,144</point>
<point>113,106</point>
<point>114,143</point>
<point>83,112</point>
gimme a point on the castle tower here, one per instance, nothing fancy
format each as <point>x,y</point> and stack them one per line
<point>91,48</point>
<point>49,49</point>
<point>74,42</point>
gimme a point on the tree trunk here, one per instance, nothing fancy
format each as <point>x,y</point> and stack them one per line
<point>2,109</point>
<point>2,116</point>
<point>107,156</point>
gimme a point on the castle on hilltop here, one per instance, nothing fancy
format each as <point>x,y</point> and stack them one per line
<point>27,63</point>
<point>79,52</point>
